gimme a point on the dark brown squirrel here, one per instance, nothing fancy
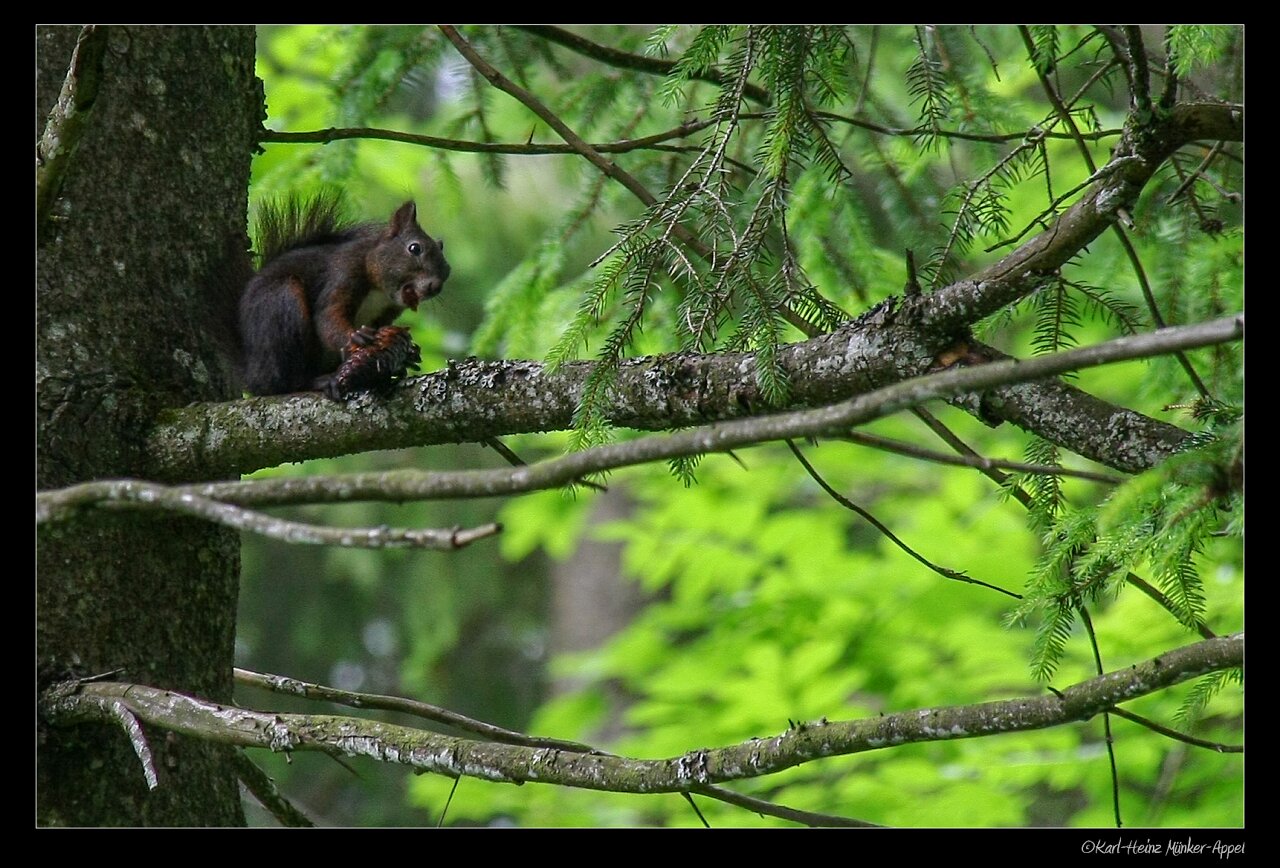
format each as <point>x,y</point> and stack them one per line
<point>326,289</point>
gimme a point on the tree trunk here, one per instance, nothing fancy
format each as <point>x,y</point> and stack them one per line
<point>153,200</point>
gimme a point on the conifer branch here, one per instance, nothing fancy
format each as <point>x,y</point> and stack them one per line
<point>638,62</point>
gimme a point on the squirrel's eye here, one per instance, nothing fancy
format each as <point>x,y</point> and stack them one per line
<point>441,243</point>
<point>415,248</point>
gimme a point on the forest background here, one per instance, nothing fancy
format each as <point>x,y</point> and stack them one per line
<point>797,178</point>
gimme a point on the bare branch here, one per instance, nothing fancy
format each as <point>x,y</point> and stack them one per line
<point>754,758</point>
<point>63,505</point>
<point>535,105</point>
<point>294,687</point>
<point>1139,85</point>
<point>1106,717</point>
<point>1165,603</point>
<point>760,806</point>
<point>137,739</point>
<point>1196,173</point>
<point>1023,498</point>
<point>515,460</point>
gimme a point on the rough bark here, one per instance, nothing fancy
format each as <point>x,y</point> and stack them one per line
<point>152,200</point>
<point>803,742</point>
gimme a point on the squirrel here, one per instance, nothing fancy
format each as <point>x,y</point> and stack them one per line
<point>325,295</point>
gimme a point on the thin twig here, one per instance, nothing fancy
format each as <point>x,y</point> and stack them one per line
<point>637,62</point>
<point>1154,309</point>
<point>424,710</point>
<point>257,782</point>
<point>993,138</point>
<point>964,449</point>
<point>612,170</point>
<point>976,461</point>
<point>502,83</point>
<point>1023,498</point>
<point>1106,717</point>
<point>622,146</point>
<point>760,806</point>
<point>447,802</point>
<point>516,461</point>
<point>1165,603</point>
<point>1196,173</point>
<point>689,798</point>
<point>137,740</point>
<point>945,572</point>
<point>1052,208</point>
<point>1176,735</point>
<point>866,78</point>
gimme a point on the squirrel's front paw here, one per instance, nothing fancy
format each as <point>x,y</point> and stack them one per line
<point>361,337</point>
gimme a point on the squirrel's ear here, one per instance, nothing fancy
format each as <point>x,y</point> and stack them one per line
<point>406,215</point>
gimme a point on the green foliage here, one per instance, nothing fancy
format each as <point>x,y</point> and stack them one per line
<point>1157,523</point>
<point>1203,693</point>
<point>1044,53</point>
<point>930,88</point>
<point>1195,46</point>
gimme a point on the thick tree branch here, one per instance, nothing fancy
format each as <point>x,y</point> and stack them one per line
<point>757,757</point>
<point>1139,126</point>
<point>951,309</point>
<point>473,400</point>
<point>825,421</point>
<point>1139,77</point>
<point>488,731</point>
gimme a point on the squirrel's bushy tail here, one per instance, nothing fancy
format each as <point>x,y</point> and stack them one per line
<point>297,221</point>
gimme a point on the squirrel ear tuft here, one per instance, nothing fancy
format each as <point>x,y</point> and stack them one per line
<point>406,215</point>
